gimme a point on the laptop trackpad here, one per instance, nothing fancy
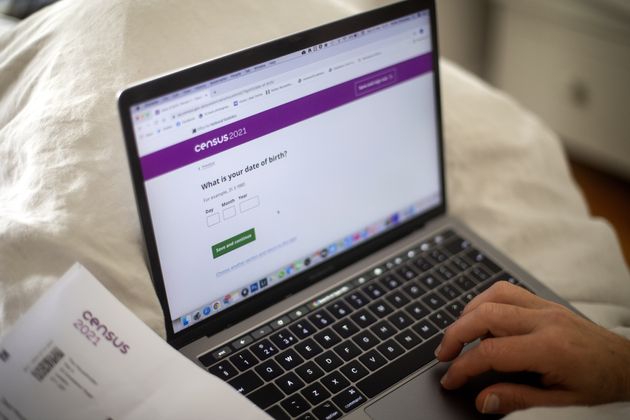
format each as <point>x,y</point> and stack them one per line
<point>424,397</point>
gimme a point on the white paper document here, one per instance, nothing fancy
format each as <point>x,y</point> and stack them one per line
<point>78,353</point>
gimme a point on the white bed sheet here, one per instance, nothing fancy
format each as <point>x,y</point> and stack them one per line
<point>65,191</point>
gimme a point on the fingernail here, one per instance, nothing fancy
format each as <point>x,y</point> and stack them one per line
<point>444,379</point>
<point>437,350</point>
<point>491,404</point>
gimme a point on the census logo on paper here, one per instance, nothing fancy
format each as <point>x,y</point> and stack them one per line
<point>94,329</point>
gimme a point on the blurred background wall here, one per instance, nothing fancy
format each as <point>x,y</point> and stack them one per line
<point>568,61</point>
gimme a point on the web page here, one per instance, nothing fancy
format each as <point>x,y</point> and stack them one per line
<point>266,188</point>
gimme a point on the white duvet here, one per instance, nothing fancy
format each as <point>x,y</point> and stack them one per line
<point>65,191</point>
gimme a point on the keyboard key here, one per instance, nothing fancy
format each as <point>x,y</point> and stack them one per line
<point>438,255</point>
<point>464,283</point>
<point>467,297</point>
<point>456,246</point>
<point>347,350</point>
<point>441,319</point>
<point>242,342</point>
<point>459,264</point>
<point>509,278</point>
<point>345,328</point>
<point>349,399</point>
<point>289,383</point>
<point>309,371</point>
<point>321,319</point>
<point>246,382</point>
<point>315,393</point>
<point>413,290</point>
<point>373,290</point>
<point>380,308</point>
<point>223,370</point>
<point>335,382</point>
<point>455,309</point>
<point>479,274</point>
<point>277,413</point>
<point>283,339</point>
<point>417,310</point>
<point>423,264</point>
<point>363,318</point>
<point>357,300</point>
<point>264,349</point>
<point>383,330</point>
<point>406,272</point>
<point>449,292</point>
<point>327,338</point>
<point>479,257</point>
<point>408,339</point>
<point>365,340</point>
<point>425,329</point>
<point>308,348</point>
<point>266,396</point>
<point>354,371</point>
<point>399,369</point>
<point>445,273</point>
<point>397,299</point>
<point>373,360</point>
<point>339,309</point>
<point>429,282</point>
<point>295,405</point>
<point>390,281</point>
<point>302,329</point>
<point>280,322</point>
<point>327,411</point>
<point>244,360</point>
<point>390,349</point>
<point>433,301</point>
<point>307,416</point>
<point>261,332</point>
<point>328,361</point>
<point>401,320</point>
<point>269,370</point>
<point>213,356</point>
<point>298,313</point>
<point>289,359</point>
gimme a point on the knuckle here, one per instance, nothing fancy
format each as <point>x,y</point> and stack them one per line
<point>556,315</point>
<point>489,310</point>
<point>488,348</point>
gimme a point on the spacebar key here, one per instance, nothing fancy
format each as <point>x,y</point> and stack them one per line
<point>400,368</point>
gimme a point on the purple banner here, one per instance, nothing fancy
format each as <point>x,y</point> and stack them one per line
<point>255,126</point>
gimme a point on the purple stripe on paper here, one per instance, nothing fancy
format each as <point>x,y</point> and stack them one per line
<point>274,119</point>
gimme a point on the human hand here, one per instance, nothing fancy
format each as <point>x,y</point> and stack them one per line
<point>579,361</point>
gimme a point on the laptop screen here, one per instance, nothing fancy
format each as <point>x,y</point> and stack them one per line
<point>258,175</point>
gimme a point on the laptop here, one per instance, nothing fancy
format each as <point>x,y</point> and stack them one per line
<point>293,205</point>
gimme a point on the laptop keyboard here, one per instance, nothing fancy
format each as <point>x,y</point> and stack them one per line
<point>323,361</point>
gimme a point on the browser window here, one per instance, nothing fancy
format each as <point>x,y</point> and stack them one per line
<point>256,176</point>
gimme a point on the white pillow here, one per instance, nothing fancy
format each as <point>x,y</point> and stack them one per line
<point>65,191</point>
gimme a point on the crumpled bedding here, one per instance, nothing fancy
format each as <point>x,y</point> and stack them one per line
<point>65,190</point>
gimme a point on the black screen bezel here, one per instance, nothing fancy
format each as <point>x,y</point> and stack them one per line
<point>228,64</point>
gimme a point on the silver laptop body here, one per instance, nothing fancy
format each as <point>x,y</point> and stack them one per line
<point>293,205</point>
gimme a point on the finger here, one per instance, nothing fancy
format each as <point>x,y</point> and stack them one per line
<point>503,398</point>
<point>496,319</point>
<point>504,292</point>
<point>503,354</point>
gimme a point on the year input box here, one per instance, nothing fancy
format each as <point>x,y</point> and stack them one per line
<point>249,204</point>
<point>213,219</point>
<point>229,212</point>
